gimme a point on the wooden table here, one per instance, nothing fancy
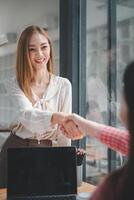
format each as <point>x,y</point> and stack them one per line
<point>3,194</point>
<point>85,187</point>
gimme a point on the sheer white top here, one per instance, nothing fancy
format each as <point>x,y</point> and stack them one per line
<point>34,121</point>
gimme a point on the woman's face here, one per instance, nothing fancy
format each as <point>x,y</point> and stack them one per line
<point>39,51</point>
<point>124,112</point>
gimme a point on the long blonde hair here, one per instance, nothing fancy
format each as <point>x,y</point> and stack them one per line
<point>24,71</point>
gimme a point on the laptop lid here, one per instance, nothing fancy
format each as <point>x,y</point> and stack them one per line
<point>41,171</point>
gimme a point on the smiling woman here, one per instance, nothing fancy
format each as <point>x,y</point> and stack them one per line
<point>39,99</point>
<point>39,54</point>
<point>37,65</point>
<point>39,50</point>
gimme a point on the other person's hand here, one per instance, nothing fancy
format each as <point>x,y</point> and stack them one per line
<point>71,129</point>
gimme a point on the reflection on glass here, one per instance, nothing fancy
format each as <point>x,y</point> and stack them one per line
<point>96,107</point>
<point>125,50</point>
<point>97,67</point>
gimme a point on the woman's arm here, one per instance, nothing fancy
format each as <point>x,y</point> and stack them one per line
<point>21,110</point>
<point>114,138</point>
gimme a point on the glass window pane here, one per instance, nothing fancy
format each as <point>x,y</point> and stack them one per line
<point>125,42</point>
<point>125,48</point>
<point>96,86</point>
<point>97,68</point>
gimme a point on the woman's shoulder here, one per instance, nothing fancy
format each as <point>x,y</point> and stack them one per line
<point>115,178</point>
<point>110,187</point>
<point>61,80</point>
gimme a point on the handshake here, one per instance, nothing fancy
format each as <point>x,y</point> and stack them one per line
<point>70,124</point>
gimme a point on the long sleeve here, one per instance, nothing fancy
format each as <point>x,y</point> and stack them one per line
<point>22,112</point>
<point>66,100</point>
<point>66,107</point>
<point>115,139</point>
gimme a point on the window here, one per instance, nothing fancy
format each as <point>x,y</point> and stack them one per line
<point>110,47</point>
<point>96,86</point>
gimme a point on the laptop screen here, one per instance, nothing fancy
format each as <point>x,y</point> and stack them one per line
<point>41,171</point>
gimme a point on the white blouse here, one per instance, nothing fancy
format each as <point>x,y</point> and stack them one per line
<point>34,121</point>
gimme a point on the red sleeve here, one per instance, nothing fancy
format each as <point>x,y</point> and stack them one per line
<point>115,139</point>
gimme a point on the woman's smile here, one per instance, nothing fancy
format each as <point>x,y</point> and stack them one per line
<point>39,61</point>
<point>39,50</point>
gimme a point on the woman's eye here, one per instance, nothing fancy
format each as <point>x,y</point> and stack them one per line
<point>44,47</point>
<point>31,49</point>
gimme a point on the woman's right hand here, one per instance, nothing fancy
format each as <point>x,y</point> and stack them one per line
<point>57,118</point>
<point>71,130</point>
<point>77,119</point>
<point>70,127</point>
<point>67,125</point>
<point>85,126</point>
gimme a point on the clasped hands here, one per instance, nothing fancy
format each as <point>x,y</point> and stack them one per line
<point>70,127</point>
<point>69,124</point>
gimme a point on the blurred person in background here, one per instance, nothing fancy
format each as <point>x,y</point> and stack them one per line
<point>119,184</point>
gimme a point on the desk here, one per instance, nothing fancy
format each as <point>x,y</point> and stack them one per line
<point>85,187</point>
<point>2,194</point>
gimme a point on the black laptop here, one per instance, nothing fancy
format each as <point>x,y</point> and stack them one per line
<point>41,173</point>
